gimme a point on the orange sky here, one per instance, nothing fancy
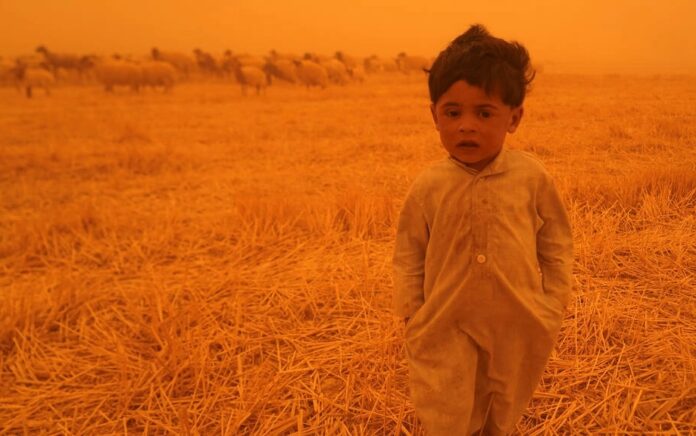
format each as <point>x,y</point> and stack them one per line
<point>603,36</point>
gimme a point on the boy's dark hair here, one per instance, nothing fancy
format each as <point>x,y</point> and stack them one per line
<point>485,61</point>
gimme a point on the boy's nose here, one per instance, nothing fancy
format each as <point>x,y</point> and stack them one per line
<point>467,124</point>
<point>465,127</point>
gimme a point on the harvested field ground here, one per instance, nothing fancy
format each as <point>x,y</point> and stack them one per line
<point>199,262</point>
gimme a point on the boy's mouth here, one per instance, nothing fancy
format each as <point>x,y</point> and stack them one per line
<point>470,144</point>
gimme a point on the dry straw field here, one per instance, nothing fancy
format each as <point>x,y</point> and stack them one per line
<point>199,262</point>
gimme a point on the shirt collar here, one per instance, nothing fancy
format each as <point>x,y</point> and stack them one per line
<point>497,165</point>
<point>461,165</point>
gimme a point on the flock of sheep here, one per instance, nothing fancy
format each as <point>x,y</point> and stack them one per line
<point>163,69</point>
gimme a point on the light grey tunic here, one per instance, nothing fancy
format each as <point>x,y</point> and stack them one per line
<point>483,267</point>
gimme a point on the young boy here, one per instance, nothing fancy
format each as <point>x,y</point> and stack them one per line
<point>483,255</point>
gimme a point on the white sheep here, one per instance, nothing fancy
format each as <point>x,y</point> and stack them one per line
<point>374,64</point>
<point>282,69</point>
<point>59,60</point>
<point>410,63</point>
<point>230,62</point>
<point>354,67</point>
<point>207,63</point>
<point>157,73</point>
<point>113,72</point>
<point>336,71</point>
<point>274,56</point>
<point>248,76</point>
<point>34,77</point>
<point>31,72</point>
<point>389,65</point>
<point>349,61</point>
<point>135,75</point>
<point>357,73</point>
<point>316,57</point>
<point>183,63</point>
<point>248,60</point>
<point>311,74</point>
<point>32,61</point>
<point>66,64</point>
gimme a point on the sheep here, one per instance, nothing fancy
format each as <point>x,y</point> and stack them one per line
<point>227,63</point>
<point>389,65</point>
<point>314,57</point>
<point>354,67</point>
<point>248,60</point>
<point>136,75</point>
<point>181,61</point>
<point>275,56</point>
<point>357,73</point>
<point>249,75</point>
<point>33,61</point>
<point>311,73</point>
<point>336,71</point>
<point>349,61</point>
<point>230,62</point>
<point>115,72</point>
<point>87,64</point>
<point>29,77</point>
<point>65,61</point>
<point>37,78</point>
<point>374,64</point>
<point>207,62</point>
<point>282,69</point>
<point>409,63</point>
<point>157,73</point>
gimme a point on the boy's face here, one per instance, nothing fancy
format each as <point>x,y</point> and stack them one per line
<point>472,124</point>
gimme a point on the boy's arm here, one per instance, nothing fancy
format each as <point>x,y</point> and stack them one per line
<point>409,258</point>
<point>554,244</point>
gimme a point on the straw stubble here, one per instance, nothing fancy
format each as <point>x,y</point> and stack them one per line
<point>213,275</point>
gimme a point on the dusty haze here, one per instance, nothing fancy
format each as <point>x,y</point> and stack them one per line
<point>183,254</point>
<point>589,36</point>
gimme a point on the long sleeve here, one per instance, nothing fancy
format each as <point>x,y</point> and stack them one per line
<point>409,258</point>
<point>554,244</point>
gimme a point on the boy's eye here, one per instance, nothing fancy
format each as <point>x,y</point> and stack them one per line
<point>452,114</point>
<point>484,114</point>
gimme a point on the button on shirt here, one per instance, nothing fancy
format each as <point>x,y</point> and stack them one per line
<point>467,259</point>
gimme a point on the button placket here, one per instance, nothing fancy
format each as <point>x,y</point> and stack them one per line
<point>480,221</point>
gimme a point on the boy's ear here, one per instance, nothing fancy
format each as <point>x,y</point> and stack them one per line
<point>434,114</point>
<point>516,118</point>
